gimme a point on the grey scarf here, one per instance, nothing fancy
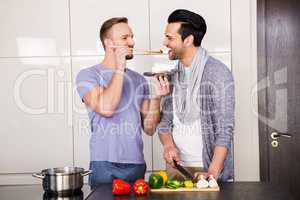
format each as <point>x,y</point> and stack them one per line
<point>186,92</point>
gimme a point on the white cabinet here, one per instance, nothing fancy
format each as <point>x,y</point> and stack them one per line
<point>215,12</point>
<point>34,131</point>
<point>34,28</point>
<point>88,16</point>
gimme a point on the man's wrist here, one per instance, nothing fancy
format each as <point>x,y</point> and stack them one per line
<point>215,169</point>
<point>166,146</point>
<point>154,97</point>
<point>120,71</point>
<point>154,111</point>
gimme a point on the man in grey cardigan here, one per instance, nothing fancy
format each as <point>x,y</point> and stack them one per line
<point>197,122</point>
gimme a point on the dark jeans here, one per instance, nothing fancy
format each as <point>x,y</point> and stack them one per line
<point>106,172</point>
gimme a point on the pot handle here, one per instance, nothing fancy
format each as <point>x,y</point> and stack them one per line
<point>38,175</point>
<point>86,172</point>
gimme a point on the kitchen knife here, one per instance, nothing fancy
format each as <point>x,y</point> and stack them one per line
<point>182,170</point>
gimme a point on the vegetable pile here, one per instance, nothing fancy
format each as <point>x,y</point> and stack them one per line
<point>160,180</point>
<point>156,181</point>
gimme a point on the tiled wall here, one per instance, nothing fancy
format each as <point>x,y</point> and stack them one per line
<point>43,45</point>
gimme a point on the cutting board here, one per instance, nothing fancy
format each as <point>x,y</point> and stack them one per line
<point>187,190</point>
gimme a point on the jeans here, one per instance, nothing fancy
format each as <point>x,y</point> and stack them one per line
<point>106,172</point>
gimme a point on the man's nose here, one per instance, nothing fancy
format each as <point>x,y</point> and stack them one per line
<point>131,42</point>
<point>165,42</point>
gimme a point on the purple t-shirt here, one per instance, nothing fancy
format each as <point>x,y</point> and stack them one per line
<point>117,138</point>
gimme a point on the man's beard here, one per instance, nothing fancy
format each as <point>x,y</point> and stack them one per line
<point>129,57</point>
<point>173,55</point>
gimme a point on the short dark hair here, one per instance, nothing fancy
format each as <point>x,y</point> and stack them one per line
<point>108,24</point>
<point>191,24</point>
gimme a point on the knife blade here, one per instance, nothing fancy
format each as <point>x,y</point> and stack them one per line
<point>182,170</point>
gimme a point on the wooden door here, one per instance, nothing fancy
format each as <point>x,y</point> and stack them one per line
<point>279,92</point>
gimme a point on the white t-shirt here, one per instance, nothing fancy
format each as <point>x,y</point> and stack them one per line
<point>188,138</point>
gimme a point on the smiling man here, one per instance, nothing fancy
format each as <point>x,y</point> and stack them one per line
<point>119,107</point>
<point>198,116</point>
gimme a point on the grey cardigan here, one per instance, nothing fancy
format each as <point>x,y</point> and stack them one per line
<point>216,101</point>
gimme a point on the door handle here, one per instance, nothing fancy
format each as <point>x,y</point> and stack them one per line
<point>276,135</point>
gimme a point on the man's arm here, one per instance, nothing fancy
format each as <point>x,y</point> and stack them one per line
<point>105,100</point>
<point>217,163</point>
<point>170,151</point>
<point>165,128</point>
<point>150,115</point>
<point>150,110</point>
<point>224,115</point>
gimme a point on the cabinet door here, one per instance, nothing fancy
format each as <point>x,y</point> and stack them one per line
<point>34,28</point>
<point>34,132</point>
<point>88,16</point>
<point>215,12</point>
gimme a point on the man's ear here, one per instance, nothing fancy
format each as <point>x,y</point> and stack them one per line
<point>188,41</point>
<point>107,43</point>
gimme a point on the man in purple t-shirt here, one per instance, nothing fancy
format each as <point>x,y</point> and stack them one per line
<point>119,107</point>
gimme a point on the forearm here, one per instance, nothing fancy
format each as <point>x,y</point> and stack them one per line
<point>109,99</point>
<point>218,159</point>
<point>152,116</point>
<point>171,153</point>
<point>166,140</point>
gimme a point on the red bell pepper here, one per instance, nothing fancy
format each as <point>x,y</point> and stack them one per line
<point>120,187</point>
<point>140,187</point>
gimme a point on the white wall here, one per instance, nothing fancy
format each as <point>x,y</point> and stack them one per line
<point>244,67</point>
<point>45,43</point>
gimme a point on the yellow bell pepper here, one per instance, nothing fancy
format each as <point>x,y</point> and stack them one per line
<point>164,175</point>
<point>188,184</point>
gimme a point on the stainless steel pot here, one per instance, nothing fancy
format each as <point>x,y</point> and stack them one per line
<point>63,180</point>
